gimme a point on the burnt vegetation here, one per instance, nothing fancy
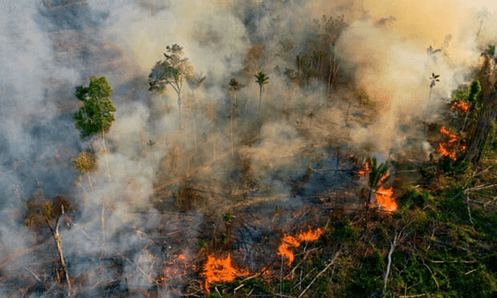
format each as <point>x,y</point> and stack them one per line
<point>259,193</point>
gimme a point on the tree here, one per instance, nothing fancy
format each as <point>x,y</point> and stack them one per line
<point>172,71</point>
<point>95,116</point>
<point>97,113</point>
<point>482,15</point>
<point>194,85</point>
<point>58,243</point>
<point>434,78</point>
<point>234,87</point>
<point>473,100</point>
<point>378,171</point>
<point>261,79</point>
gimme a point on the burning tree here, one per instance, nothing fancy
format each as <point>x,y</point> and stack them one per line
<point>378,171</point>
<point>172,71</point>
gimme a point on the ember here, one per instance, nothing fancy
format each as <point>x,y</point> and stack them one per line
<point>176,268</point>
<point>220,270</point>
<point>290,241</point>
<point>449,148</point>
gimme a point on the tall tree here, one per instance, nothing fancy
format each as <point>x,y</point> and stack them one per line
<point>235,86</point>
<point>261,79</point>
<point>194,85</point>
<point>97,112</point>
<point>95,116</point>
<point>172,71</point>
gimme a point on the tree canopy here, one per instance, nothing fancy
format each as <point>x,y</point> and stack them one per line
<point>171,71</point>
<point>97,112</point>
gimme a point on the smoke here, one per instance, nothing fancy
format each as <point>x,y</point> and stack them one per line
<point>150,165</point>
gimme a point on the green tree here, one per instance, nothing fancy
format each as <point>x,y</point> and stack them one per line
<point>97,113</point>
<point>172,71</point>
<point>377,172</point>
<point>95,116</point>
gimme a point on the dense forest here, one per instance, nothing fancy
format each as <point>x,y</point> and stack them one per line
<point>283,148</point>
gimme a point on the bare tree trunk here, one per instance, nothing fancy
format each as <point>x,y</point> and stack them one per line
<point>110,185</point>
<point>58,244</point>
<point>232,140</point>
<point>387,273</point>
<point>347,117</point>
<point>91,183</point>
<point>260,102</point>
<point>180,112</point>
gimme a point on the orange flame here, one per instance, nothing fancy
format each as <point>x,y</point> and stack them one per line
<point>448,148</point>
<point>176,268</point>
<point>460,107</point>
<point>364,171</point>
<point>220,270</point>
<point>384,196</point>
<point>289,241</point>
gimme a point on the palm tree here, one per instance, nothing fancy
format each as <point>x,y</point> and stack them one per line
<point>433,78</point>
<point>377,172</point>
<point>234,87</point>
<point>261,80</point>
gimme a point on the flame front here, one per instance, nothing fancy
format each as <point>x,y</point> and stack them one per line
<point>220,270</point>
<point>289,241</point>
<point>450,147</point>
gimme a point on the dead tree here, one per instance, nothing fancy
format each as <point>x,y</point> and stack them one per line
<point>58,244</point>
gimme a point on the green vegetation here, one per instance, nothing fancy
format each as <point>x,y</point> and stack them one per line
<point>97,113</point>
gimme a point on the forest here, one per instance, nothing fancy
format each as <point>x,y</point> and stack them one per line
<point>227,148</point>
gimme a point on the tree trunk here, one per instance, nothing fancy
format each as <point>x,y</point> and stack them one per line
<point>483,129</point>
<point>260,102</point>
<point>58,243</point>
<point>180,113</point>
<point>232,140</point>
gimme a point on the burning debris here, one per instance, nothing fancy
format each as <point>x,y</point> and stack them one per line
<point>220,270</point>
<point>289,241</point>
<point>451,147</point>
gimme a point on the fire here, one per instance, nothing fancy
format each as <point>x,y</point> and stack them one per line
<point>448,148</point>
<point>364,171</point>
<point>289,241</point>
<point>460,107</point>
<point>384,196</point>
<point>220,270</point>
<point>175,268</point>
<point>284,248</point>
